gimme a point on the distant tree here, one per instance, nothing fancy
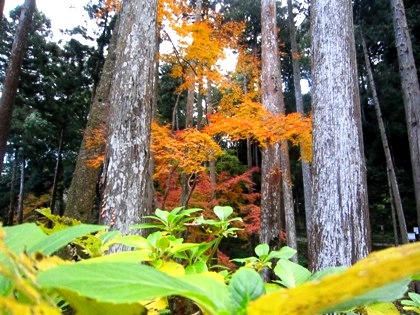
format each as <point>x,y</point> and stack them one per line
<point>132,92</point>
<point>411,91</point>
<point>339,233</point>
<point>11,81</point>
<point>306,168</point>
<point>392,177</point>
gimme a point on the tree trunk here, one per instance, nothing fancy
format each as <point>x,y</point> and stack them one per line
<point>8,218</point>
<point>83,190</point>
<point>11,80</point>
<point>1,10</point>
<point>128,147</point>
<point>275,164</point>
<point>21,192</point>
<point>340,232</point>
<point>393,216</point>
<point>56,173</point>
<point>306,168</point>
<point>389,164</point>
<point>411,92</point>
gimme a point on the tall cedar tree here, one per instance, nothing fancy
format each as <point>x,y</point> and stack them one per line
<point>83,188</point>
<point>275,168</point>
<point>339,233</point>
<point>132,92</point>
<point>411,91</point>
<point>11,81</point>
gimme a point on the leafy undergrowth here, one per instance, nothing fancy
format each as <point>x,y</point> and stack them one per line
<point>154,269</point>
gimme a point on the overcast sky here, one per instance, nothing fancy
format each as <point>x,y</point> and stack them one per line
<point>64,14</point>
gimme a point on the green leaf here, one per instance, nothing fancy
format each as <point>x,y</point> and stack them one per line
<point>147,226</point>
<point>290,273</point>
<point>415,297</point>
<point>246,285</point>
<point>87,306</point>
<point>285,252</point>
<point>135,241</point>
<point>122,282</point>
<point>223,212</point>
<point>57,240</point>
<point>134,256</point>
<point>23,236</point>
<point>381,309</point>
<point>262,249</point>
<point>163,215</point>
<point>197,267</point>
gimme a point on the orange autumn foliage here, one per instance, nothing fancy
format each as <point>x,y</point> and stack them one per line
<point>250,120</point>
<point>95,141</point>
<point>185,150</point>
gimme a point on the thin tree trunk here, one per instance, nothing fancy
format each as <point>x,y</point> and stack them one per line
<point>83,190</point>
<point>8,218</point>
<point>306,168</point>
<point>57,172</point>
<point>21,192</point>
<point>11,80</point>
<point>340,231</point>
<point>132,92</point>
<point>1,10</point>
<point>388,158</point>
<point>411,91</point>
<point>393,216</point>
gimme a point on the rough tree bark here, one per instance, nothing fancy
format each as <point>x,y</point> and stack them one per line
<point>306,168</point>
<point>83,190</point>
<point>411,92</point>
<point>275,170</point>
<point>340,233</point>
<point>11,80</point>
<point>128,147</point>
<point>388,158</point>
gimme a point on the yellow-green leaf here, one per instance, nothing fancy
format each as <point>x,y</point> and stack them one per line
<point>381,309</point>
<point>377,270</point>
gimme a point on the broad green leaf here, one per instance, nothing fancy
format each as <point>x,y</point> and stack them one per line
<point>163,215</point>
<point>134,256</point>
<point>87,306</point>
<point>262,249</point>
<point>285,252</point>
<point>223,212</point>
<point>154,238</point>
<point>246,285</point>
<point>415,297</point>
<point>215,290</point>
<point>55,241</point>
<point>197,267</point>
<point>147,226</point>
<point>108,236</point>
<point>313,297</point>
<point>290,273</point>
<point>23,236</point>
<point>125,283</point>
<point>135,241</point>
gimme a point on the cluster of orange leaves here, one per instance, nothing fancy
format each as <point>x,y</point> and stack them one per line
<point>186,150</point>
<point>95,141</point>
<point>250,120</point>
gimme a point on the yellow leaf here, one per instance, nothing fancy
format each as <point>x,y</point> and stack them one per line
<point>378,269</point>
<point>172,268</point>
<point>381,309</point>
